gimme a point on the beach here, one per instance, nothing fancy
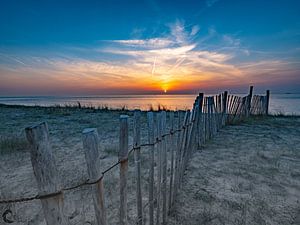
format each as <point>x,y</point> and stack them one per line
<point>248,174</point>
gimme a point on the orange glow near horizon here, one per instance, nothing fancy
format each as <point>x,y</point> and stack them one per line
<point>86,77</point>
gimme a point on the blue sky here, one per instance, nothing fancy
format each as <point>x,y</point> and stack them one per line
<point>148,46</point>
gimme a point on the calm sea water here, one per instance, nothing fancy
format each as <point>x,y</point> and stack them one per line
<point>279,103</point>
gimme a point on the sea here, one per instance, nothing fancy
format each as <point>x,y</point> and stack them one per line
<point>287,104</point>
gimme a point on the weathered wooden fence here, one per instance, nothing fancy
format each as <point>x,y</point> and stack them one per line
<point>260,104</point>
<point>169,153</point>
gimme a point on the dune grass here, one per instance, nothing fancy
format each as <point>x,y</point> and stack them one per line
<point>10,144</point>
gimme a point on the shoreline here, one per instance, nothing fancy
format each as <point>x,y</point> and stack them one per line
<point>118,109</point>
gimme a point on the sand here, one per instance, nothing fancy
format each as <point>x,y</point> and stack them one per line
<point>249,173</point>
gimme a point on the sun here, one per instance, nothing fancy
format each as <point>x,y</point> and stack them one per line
<point>165,88</point>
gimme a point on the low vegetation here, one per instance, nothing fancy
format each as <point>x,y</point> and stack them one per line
<point>9,144</point>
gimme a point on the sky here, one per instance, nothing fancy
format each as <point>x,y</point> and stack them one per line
<point>70,47</point>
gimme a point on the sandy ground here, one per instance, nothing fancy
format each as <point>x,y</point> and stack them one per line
<point>249,174</point>
<point>65,127</point>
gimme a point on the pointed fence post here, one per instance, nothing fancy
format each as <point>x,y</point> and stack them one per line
<point>225,106</point>
<point>177,157</point>
<point>159,166</point>
<point>250,99</point>
<point>164,168</point>
<point>206,118</point>
<point>150,123</point>
<point>137,154</point>
<point>184,145</point>
<point>46,173</point>
<point>92,156</point>
<point>267,101</point>
<point>200,119</point>
<point>172,148</point>
<point>123,159</point>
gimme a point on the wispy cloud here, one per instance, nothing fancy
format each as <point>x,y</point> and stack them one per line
<point>146,43</point>
<point>210,3</point>
<point>179,59</point>
<point>195,30</point>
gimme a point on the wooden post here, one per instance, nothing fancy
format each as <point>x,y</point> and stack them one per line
<point>184,145</point>
<point>207,119</point>
<point>177,160</point>
<point>172,148</point>
<point>250,99</point>
<point>204,118</point>
<point>188,138</point>
<point>219,112</point>
<point>200,119</point>
<point>159,166</point>
<point>213,118</point>
<point>267,102</point>
<point>151,174</point>
<point>92,156</point>
<point>123,159</point>
<point>225,111</point>
<point>46,173</point>
<point>164,168</point>
<point>191,135</point>
<point>137,154</point>
<point>210,117</point>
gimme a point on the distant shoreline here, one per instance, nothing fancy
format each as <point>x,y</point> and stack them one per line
<point>106,108</point>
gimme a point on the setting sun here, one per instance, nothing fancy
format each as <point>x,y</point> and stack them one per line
<point>165,87</point>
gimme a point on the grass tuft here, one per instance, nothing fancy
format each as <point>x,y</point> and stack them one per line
<point>12,144</point>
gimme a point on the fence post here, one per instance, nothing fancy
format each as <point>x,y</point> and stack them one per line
<point>207,119</point>
<point>159,166</point>
<point>123,159</point>
<point>137,154</point>
<point>205,123</point>
<point>164,168</point>
<point>210,117</point>
<point>219,112</point>
<point>192,131</point>
<point>172,146</point>
<point>46,173</point>
<point>267,102</point>
<point>250,99</point>
<point>225,111</point>
<point>213,110</point>
<point>183,144</point>
<point>92,156</point>
<point>151,175</point>
<point>177,157</point>
<point>200,119</point>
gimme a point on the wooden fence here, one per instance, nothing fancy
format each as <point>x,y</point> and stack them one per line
<point>169,151</point>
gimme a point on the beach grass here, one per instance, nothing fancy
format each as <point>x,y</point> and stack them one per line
<point>11,144</point>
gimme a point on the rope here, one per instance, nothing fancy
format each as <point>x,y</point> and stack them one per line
<point>88,181</point>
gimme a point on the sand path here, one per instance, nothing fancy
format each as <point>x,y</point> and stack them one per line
<point>249,174</point>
